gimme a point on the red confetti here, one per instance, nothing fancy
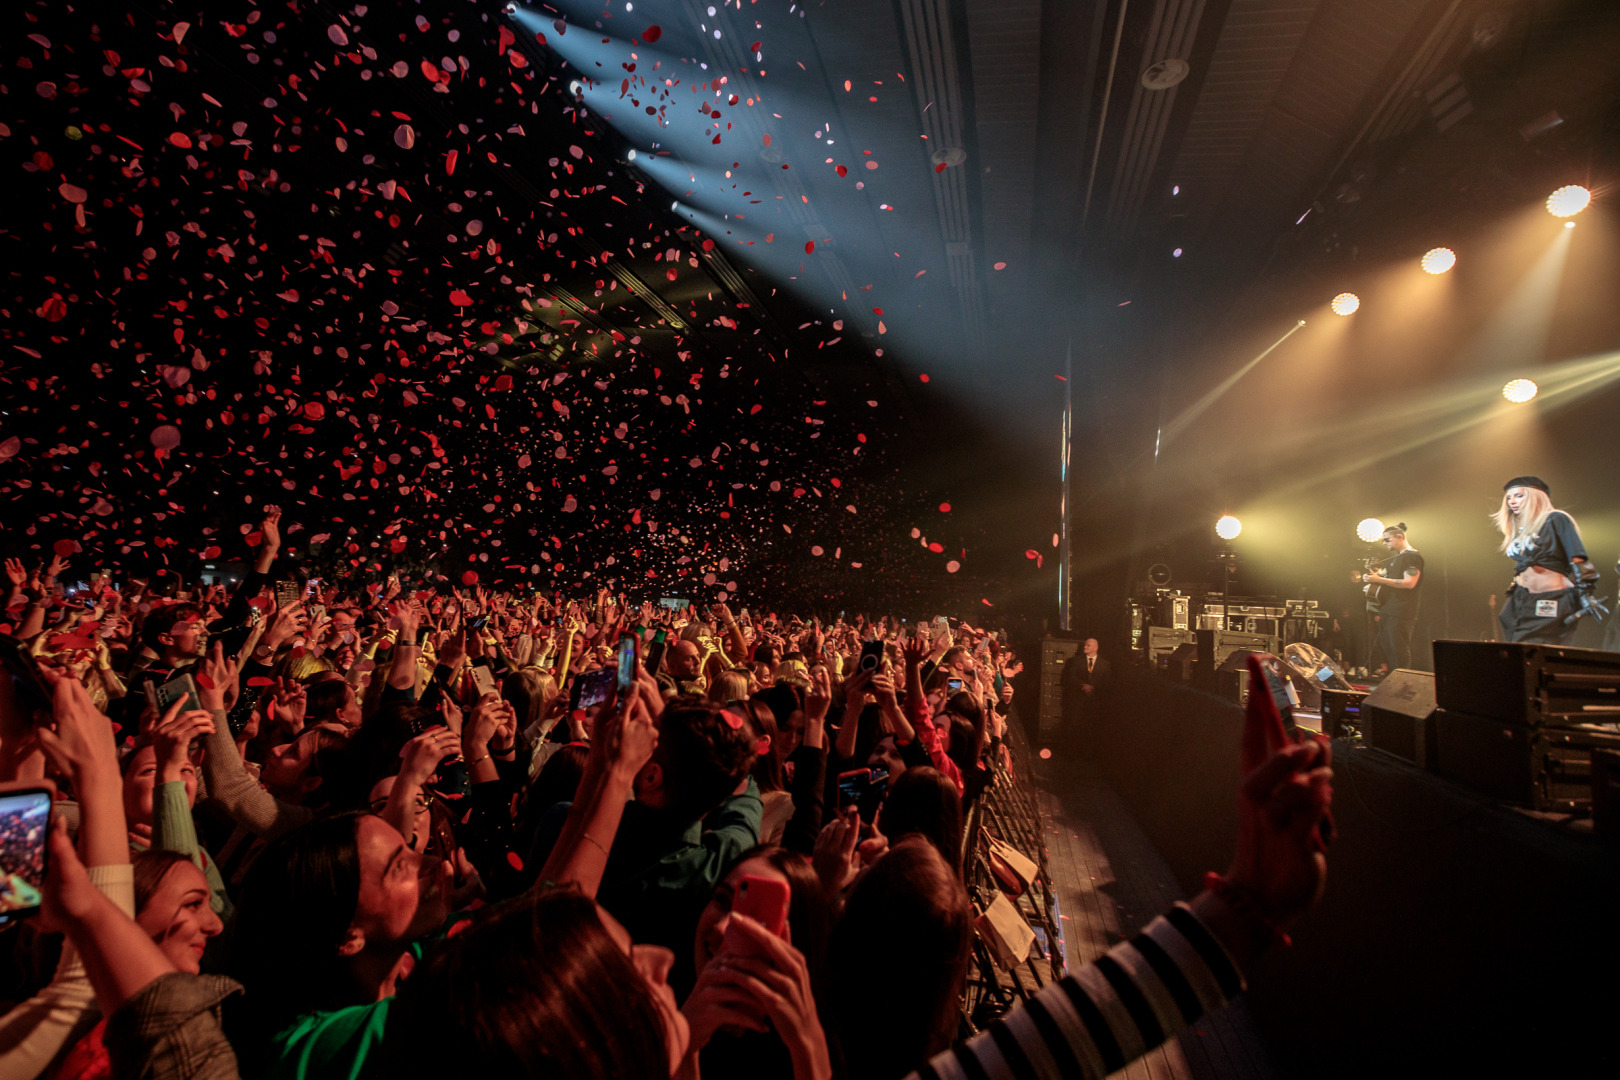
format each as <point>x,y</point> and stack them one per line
<point>469,577</point>
<point>652,34</point>
<point>944,508</point>
<point>515,860</point>
<point>180,139</point>
<point>809,246</point>
<point>460,299</point>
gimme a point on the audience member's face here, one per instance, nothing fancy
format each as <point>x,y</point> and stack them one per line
<point>789,735</point>
<point>178,918</point>
<point>716,916</point>
<point>682,660</point>
<point>1091,646</point>
<point>653,963</point>
<point>885,756</point>
<point>189,638</point>
<point>140,781</point>
<point>396,903</point>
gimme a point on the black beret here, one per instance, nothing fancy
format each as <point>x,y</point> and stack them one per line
<point>1528,481</point>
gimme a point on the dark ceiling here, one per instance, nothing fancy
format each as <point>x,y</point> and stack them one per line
<point>913,219</point>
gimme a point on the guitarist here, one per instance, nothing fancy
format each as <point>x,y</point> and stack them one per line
<point>1399,597</point>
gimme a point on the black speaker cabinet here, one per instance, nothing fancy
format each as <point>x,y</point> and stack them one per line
<point>1536,767</point>
<point>1524,683</point>
<point>1398,717</point>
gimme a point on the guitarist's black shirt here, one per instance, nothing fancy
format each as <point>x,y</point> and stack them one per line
<point>1402,603</point>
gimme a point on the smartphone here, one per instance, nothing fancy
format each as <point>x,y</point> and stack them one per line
<point>287,592</point>
<point>872,798</point>
<point>25,824</point>
<point>32,694</point>
<point>592,688</point>
<point>953,685</point>
<point>851,785</point>
<point>181,686</point>
<point>653,658</point>
<point>871,656</point>
<point>478,622</point>
<point>483,681</point>
<point>422,636</point>
<point>311,586</point>
<point>626,670</point>
<point>765,900</point>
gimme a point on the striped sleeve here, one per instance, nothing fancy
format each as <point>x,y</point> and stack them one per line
<point>1106,1014</point>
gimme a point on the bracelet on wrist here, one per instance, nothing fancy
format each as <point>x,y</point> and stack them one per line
<point>478,760</point>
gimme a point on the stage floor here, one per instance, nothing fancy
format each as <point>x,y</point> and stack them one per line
<point>1111,882</point>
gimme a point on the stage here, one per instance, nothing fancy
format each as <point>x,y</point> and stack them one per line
<point>1456,933</point>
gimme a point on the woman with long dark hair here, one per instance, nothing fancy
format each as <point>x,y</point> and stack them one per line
<point>1549,561</point>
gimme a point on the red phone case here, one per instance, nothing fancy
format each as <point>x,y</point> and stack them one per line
<point>765,900</point>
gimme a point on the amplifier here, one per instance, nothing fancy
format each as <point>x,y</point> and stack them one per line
<point>1161,642</point>
<point>1258,611</point>
<point>1265,625</point>
<point>1341,707</point>
<point>1307,609</point>
<point>1536,767</point>
<point>1214,646</point>
<point>1174,611</point>
<point>1523,683</point>
<point>1054,653</point>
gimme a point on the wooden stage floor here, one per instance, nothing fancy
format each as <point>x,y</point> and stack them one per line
<point>1111,882</point>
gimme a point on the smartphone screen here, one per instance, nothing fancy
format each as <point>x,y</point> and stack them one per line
<point>953,685</point>
<point>627,663</point>
<point>876,788</point>
<point>25,818</point>
<point>851,786</point>
<point>593,688</point>
<point>654,656</point>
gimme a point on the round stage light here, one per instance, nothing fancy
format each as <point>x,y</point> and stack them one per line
<point>1369,530</point>
<point>632,155</point>
<point>1439,260</point>
<point>1346,303</point>
<point>1519,391</point>
<point>1228,528</point>
<point>1568,201</point>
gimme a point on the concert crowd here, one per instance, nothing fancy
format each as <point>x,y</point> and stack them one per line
<point>406,825</point>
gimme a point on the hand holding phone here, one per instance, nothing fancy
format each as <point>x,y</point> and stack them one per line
<point>765,900</point>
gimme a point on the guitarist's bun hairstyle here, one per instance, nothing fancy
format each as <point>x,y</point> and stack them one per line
<point>1399,528</point>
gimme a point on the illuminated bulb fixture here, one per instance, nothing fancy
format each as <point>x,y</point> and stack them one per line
<point>1228,528</point>
<point>1346,303</point>
<point>1369,530</point>
<point>1439,260</point>
<point>1519,391</point>
<point>1568,201</point>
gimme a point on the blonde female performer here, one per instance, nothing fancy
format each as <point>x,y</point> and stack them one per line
<point>1548,561</point>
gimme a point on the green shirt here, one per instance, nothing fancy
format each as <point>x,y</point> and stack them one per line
<point>328,1045</point>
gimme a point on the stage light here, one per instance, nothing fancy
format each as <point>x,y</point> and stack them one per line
<point>1228,528</point>
<point>1346,303</point>
<point>1568,201</point>
<point>1519,391</point>
<point>1176,254</point>
<point>1439,260</point>
<point>576,88</point>
<point>632,155</point>
<point>510,8</point>
<point>1569,224</point>
<point>1369,529</point>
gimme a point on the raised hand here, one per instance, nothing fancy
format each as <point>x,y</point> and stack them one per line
<point>914,649</point>
<point>775,976</point>
<point>217,687</point>
<point>270,528</point>
<point>172,737</point>
<point>423,754</point>
<point>1282,805</point>
<point>291,701</point>
<point>17,572</point>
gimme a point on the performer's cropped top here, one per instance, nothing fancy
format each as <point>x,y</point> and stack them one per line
<point>1554,547</point>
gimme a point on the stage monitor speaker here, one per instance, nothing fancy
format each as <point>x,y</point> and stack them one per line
<point>1398,717</point>
<point>1549,769</point>
<point>1526,683</point>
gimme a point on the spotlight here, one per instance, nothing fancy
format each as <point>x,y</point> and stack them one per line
<point>510,8</point>
<point>631,156</point>
<point>1228,528</point>
<point>1568,201</point>
<point>1519,391</point>
<point>1439,260</point>
<point>1346,303</point>
<point>576,88</point>
<point>1369,529</point>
